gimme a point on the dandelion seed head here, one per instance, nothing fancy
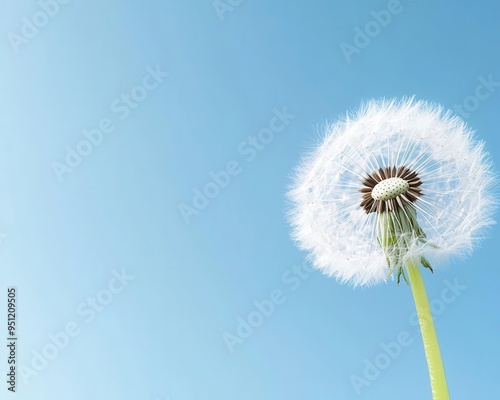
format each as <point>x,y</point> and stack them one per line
<point>391,158</point>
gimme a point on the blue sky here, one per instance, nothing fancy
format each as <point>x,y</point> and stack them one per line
<point>115,115</point>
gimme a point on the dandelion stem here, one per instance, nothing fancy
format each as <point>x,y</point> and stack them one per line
<point>429,337</point>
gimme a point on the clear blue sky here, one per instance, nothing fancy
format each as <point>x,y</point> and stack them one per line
<point>133,284</point>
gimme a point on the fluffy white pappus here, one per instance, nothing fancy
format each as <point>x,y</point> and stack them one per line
<point>456,203</point>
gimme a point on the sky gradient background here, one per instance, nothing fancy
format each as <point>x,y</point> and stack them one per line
<point>189,281</point>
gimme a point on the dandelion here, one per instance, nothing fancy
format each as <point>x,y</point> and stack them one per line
<point>399,185</point>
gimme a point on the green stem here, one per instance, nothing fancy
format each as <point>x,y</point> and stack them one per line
<point>431,345</point>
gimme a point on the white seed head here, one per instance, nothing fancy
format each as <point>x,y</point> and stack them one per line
<point>453,201</point>
<point>390,189</point>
